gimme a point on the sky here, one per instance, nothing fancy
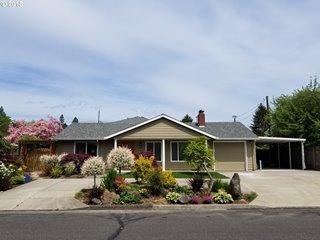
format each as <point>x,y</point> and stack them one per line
<point>144,58</point>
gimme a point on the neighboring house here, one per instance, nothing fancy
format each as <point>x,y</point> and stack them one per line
<point>232,142</point>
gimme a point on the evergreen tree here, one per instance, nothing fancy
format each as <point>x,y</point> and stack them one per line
<point>4,122</point>
<point>260,124</point>
<point>61,118</point>
<point>75,120</point>
<point>187,119</point>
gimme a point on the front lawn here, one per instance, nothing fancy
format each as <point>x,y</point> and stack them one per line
<point>215,175</point>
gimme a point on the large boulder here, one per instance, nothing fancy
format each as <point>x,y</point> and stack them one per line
<point>235,188</point>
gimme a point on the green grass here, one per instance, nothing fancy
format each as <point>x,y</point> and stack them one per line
<point>186,175</point>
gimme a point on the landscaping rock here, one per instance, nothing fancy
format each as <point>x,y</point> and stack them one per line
<point>96,201</point>
<point>184,199</point>
<point>235,188</point>
<point>109,197</point>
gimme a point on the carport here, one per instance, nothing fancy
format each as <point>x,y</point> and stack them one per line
<point>280,152</point>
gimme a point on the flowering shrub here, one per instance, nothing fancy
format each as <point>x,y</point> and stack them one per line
<point>142,168</point>
<point>77,158</point>
<point>207,199</point>
<point>195,199</point>
<point>41,129</point>
<point>93,166</point>
<point>69,169</point>
<point>222,197</point>
<point>168,180</point>
<point>49,162</point>
<point>120,158</point>
<point>5,176</point>
<point>173,197</point>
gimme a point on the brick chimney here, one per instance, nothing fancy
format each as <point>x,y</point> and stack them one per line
<point>201,119</point>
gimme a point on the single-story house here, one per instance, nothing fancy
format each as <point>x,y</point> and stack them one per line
<point>233,143</point>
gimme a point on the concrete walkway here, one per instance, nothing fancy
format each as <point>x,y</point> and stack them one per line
<point>283,188</point>
<point>45,194</point>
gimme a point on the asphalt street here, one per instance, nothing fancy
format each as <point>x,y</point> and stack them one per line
<point>224,224</point>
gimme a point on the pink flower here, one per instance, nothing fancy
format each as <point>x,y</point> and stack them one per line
<point>43,129</point>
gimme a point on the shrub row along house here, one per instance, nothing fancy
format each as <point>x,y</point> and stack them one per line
<point>232,142</point>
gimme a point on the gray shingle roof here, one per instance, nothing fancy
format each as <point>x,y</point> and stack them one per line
<point>97,131</point>
<point>226,130</point>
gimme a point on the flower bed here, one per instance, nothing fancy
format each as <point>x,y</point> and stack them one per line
<point>12,176</point>
<point>154,186</point>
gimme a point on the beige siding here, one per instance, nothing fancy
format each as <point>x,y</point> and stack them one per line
<point>161,129</point>
<point>105,147</point>
<point>229,156</point>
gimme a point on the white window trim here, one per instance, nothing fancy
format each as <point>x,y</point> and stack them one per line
<point>177,151</point>
<point>86,142</point>
<point>153,147</point>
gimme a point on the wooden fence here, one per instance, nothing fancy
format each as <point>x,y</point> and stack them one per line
<point>312,158</point>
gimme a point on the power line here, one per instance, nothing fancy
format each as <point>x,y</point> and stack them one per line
<point>247,112</point>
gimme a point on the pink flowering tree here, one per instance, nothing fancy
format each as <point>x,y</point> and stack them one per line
<point>43,129</point>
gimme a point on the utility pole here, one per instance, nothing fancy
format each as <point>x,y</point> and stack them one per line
<point>234,118</point>
<point>267,103</point>
<point>99,116</point>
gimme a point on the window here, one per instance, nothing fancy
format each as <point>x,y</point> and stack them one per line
<point>177,151</point>
<point>80,147</point>
<point>155,148</point>
<point>90,148</point>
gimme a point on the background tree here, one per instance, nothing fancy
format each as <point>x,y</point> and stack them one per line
<point>75,120</point>
<point>187,119</point>
<point>4,122</point>
<point>260,124</point>
<point>61,118</point>
<point>298,114</point>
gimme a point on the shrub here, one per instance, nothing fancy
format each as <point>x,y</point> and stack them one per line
<point>120,158</point>
<point>48,162</point>
<point>222,197</point>
<point>144,192</point>
<point>5,176</point>
<point>69,169</point>
<point>56,172</point>
<point>207,199</point>
<point>173,197</point>
<point>18,179</point>
<point>108,180</point>
<point>142,168</point>
<point>182,189</point>
<point>249,197</point>
<point>77,159</point>
<point>120,183</point>
<point>93,166</point>
<point>168,180</point>
<point>155,182</point>
<point>196,183</point>
<point>220,184</point>
<point>195,199</point>
<point>128,197</point>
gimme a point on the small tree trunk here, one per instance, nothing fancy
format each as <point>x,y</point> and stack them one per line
<point>94,181</point>
<point>210,176</point>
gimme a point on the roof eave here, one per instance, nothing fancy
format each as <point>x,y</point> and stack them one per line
<point>157,118</point>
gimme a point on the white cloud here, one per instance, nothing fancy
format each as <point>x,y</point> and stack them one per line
<point>148,57</point>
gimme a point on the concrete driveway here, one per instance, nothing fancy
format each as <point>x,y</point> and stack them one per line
<point>45,194</point>
<point>283,188</point>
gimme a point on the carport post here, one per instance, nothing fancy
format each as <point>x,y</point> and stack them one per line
<point>115,143</point>
<point>290,164</point>
<point>245,156</point>
<point>302,156</point>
